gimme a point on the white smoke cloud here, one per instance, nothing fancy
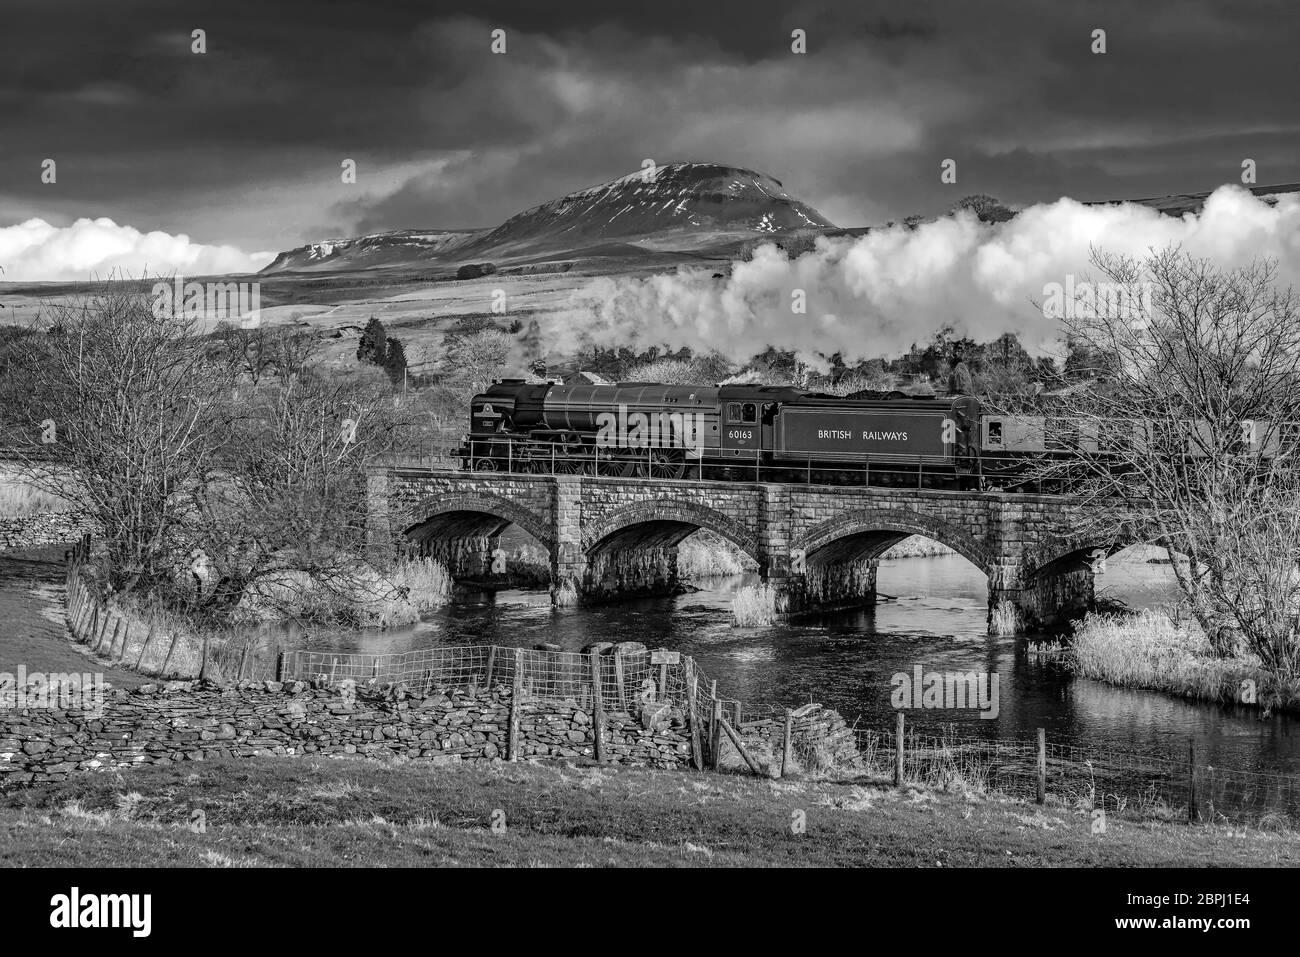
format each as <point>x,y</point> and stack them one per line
<point>879,293</point>
<point>90,248</point>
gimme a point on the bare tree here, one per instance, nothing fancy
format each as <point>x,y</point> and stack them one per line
<point>117,410</point>
<point>254,352</point>
<point>1187,439</point>
<point>287,504</point>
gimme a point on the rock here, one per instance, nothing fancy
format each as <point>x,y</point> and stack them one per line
<point>147,689</point>
<point>655,716</point>
<point>275,687</point>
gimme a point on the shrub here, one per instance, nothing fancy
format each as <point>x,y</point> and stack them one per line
<point>754,605</point>
<point>475,270</point>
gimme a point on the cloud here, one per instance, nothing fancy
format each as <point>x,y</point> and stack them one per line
<point>35,251</point>
<point>879,293</point>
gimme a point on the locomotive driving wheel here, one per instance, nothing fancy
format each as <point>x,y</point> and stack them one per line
<point>570,456</point>
<point>662,464</point>
<point>484,464</point>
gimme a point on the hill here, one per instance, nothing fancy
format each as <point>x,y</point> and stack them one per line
<point>685,207</point>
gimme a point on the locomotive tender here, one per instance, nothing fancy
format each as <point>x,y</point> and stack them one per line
<point>739,432</point>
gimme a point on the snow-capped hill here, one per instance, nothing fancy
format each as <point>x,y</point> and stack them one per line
<point>683,206</point>
<point>681,199</point>
<point>377,249</point>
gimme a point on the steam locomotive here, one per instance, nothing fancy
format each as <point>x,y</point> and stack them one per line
<point>784,434</point>
<point>743,433</point>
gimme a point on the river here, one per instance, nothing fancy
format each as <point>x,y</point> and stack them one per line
<point>931,613</point>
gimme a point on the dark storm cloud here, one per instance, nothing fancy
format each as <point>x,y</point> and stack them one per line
<point>885,29</point>
<point>243,145</point>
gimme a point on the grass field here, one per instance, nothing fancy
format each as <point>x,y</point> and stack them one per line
<point>322,812</point>
<point>19,498</point>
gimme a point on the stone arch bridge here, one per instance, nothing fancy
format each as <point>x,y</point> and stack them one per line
<point>819,546</point>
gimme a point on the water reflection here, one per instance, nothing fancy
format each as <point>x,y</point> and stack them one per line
<point>932,612</point>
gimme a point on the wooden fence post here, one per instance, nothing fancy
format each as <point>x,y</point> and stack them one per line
<point>692,708</point>
<point>735,740</point>
<point>715,734</point>
<point>618,679</point>
<point>84,615</point>
<point>145,647</point>
<point>117,624</point>
<point>597,707</point>
<point>1042,765</point>
<point>898,750</point>
<point>491,662</point>
<point>512,723</point>
<point>126,637</point>
<point>785,746</point>
<point>162,672</point>
<point>1193,812</point>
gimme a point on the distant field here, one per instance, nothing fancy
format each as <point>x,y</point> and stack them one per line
<point>416,309</point>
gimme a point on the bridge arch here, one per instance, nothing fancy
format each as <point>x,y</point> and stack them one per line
<point>867,533</point>
<point>457,528</point>
<point>1075,551</point>
<point>664,522</point>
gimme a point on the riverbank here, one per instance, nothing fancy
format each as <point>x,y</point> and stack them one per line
<point>311,812</point>
<point>1147,650</point>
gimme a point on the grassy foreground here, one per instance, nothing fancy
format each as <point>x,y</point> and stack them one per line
<point>337,812</point>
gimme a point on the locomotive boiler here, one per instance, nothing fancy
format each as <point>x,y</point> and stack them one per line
<point>749,432</point>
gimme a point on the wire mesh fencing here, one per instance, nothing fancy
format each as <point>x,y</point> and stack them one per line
<point>1117,782</point>
<point>620,681</point>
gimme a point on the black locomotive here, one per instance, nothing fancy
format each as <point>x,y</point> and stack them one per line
<point>731,432</point>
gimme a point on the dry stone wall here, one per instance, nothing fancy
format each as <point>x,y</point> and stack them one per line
<point>43,528</point>
<point>183,721</point>
<point>820,739</point>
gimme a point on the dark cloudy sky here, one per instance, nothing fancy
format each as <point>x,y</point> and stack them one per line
<point>242,145</point>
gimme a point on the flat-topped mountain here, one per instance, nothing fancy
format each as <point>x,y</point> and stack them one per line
<point>683,206</point>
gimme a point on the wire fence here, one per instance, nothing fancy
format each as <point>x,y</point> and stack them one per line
<point>623,679</point>
<point>1116,782</point>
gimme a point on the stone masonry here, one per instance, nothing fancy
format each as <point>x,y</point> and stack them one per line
<point>818,545</point>
<point>185,721</point>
